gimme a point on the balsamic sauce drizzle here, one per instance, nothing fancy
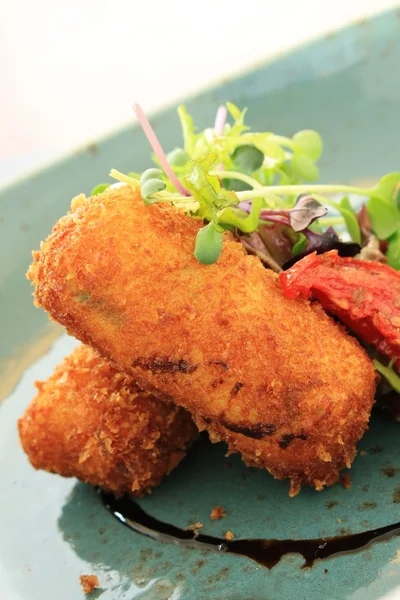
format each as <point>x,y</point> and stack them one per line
<point>265,552</point>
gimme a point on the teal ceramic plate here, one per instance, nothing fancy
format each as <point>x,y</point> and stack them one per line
<point>347,86</point>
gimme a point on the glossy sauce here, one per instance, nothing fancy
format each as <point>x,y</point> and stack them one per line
<point>265,552</point>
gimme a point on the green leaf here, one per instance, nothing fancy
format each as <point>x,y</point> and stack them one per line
<point>151,187</point>
<point>249,223</point>
<point>271,149</point>
<point>99,189</point>
<point>233,110</point>
<point>308,142</point>
<point>350,218</point>
<point>386,187</point>
<point>238,119</point>
<point>206,188</point>
<point>300,245</point>
<point>188,130</point>
<point>235,185</point>
<point>201,184</point>
<point>248,158</point>
<point>178,157</point>
<point>150,174</point>
<point>385,218</point>
<point>305,167</point>
<point>208,246</point>
<point>397,197</point>
<point>347,212</point>
<point>393,251</point>
<point>388,374</point>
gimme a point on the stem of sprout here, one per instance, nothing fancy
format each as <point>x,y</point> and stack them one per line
<point>236,175</point>
<point>258,190</point>
<point>329,221</point>
<point>283,141</point>
<point>220,120</point>
<point>135,183</point>
<point>294,190</point>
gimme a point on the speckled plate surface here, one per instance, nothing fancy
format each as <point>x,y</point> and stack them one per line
<point>347,86</point>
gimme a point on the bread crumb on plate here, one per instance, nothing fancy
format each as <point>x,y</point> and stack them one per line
<point>89,583</point>
<point>194,526</point>
<point>217,513</point>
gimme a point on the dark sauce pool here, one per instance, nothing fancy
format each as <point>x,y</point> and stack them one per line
<point>265,552</point>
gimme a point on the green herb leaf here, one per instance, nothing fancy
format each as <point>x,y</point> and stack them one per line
<point>347,212</point>
<point>150,174</point>
<point>350,218</point>
<point>300,245</point>
<point>393,251</point>
<point>235,185</point>
<point>99,189</point>
<point>386,187</point>
<point>308,142</point>
<point>385,218</point>
<point>397,196</point>
<point>208,246</point>
<point>238,126</point>
<point>249,223</point>
<point>206,188</point>
<point>382,206</point>
<point>178,157</point>
<point>201,184</point>
<point>304,166</point>
<point>274,154</point>
<point>134,175</point>
<point>188,130</point>
<point>388,374</point>
<point>151,187</point>
<point>248,158</point>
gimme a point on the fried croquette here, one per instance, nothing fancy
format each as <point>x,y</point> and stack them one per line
<point>92,422</point>
<point>275,378</point>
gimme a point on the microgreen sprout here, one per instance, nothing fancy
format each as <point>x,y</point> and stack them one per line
<point>220,120</point>
<point>99,189</point>
<point>150,184</point>
<point>155,144</point>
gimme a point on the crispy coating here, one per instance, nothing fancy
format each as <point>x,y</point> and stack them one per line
<point>92,422</point>
<point>275,378</point>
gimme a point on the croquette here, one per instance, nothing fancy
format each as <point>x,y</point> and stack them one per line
<point>92,422</point>
<point>275,378</point>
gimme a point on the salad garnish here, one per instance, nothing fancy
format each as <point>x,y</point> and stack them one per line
<point>260,186</point>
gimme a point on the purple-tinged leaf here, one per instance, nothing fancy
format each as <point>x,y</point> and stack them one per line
<point>305,211</point>
<point>279,240</point>
<point>254,244</point>
<point>323,242</point>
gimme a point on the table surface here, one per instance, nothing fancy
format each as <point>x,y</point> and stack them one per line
<point>71,70</point>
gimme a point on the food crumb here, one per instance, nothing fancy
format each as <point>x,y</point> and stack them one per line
<point>345,481</point>
<point>229,535</point>
<point>89,583</point>
<point>194,527</point>
<point>363,452</point>
<point>217,513</point>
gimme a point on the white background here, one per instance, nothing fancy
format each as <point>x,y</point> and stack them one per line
<point>70,69</point>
